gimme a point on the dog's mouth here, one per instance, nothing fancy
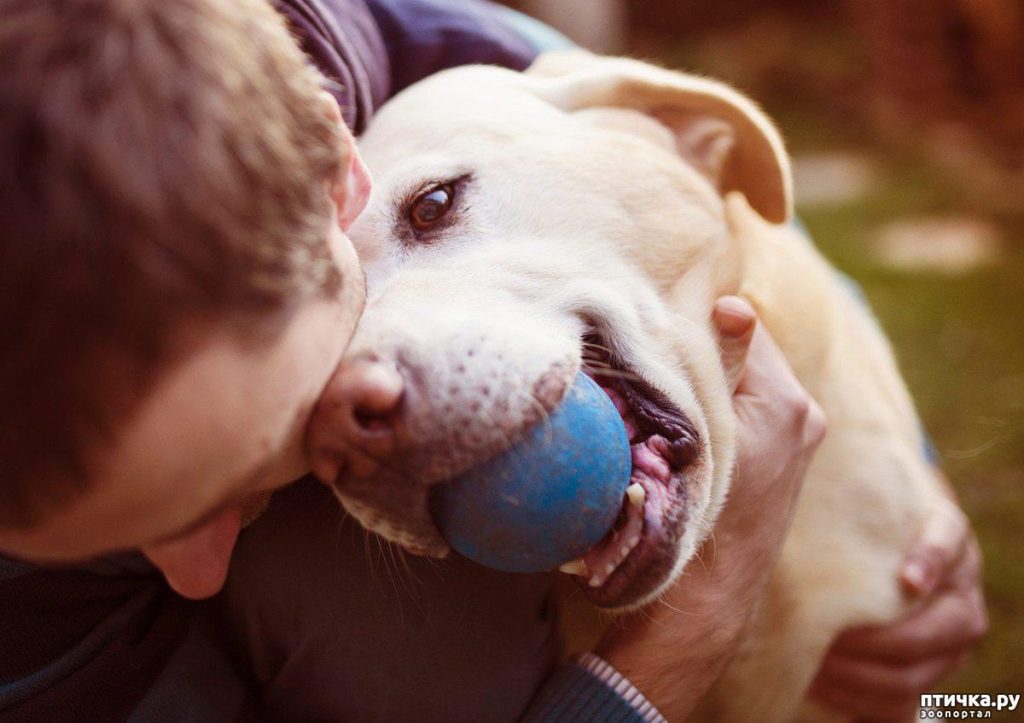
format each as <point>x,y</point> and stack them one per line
<point>640,551</point>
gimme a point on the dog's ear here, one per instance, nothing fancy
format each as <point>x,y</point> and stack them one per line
<point>721,132</point>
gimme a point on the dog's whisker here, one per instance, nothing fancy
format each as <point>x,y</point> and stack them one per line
<point>647,615</point>
<point>714,552</point>
<point>592,345</point>
<point>508,441</point>
<point>545,416</point>
<point>611,372</point>
<point>385,544</point>
<point>393,553</point>
<point>673,608</point>
<point>403,557</point>
<point>404,569</point>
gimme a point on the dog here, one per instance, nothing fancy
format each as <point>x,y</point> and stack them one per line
<point>586,214</point>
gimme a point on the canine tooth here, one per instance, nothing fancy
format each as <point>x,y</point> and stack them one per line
<point>595,581</point>
<point>633,541</point>
<point>575,567</point>
<point>624,552</point>
<point>609,568</point>
<point>637,494</point>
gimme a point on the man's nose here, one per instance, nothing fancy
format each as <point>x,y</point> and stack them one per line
<point>358,416</point>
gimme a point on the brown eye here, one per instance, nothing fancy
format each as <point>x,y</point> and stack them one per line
<point>431,206</point>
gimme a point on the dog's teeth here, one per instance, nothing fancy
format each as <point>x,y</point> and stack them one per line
<point>624,552</point>
<point>575,567</point>
<point>637,494</point>
<point>609,568</point>
<point>595,581</point>
<point>633,541</point>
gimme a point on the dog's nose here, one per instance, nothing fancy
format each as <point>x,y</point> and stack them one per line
<point>370,394</point>
<point>357,417</point>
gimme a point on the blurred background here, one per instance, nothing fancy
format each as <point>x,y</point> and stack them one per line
<point>905,119</point>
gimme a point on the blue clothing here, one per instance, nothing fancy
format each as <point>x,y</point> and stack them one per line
<point>426,36</point>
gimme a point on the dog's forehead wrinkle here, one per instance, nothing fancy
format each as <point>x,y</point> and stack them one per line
<point>454,100</point>
<point>624,310</point>
<point>421,174</point>
<point>460,130</point>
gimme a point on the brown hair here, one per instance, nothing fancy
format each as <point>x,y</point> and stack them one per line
<point>159,160</point>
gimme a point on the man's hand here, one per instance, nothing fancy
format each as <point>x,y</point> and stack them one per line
<point>674,650</point>
<point>880,672</point>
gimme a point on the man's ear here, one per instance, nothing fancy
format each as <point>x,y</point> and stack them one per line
<point>718,130</point>
<point>351,190</point>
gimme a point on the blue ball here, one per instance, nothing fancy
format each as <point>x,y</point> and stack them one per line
<point>550,497</point>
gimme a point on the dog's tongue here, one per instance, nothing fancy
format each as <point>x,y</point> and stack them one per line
<point>196,564</point>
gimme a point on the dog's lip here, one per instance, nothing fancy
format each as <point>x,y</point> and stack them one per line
<point>653,557</point>
<point>664,444</point>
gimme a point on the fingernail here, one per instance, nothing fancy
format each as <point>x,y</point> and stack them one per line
<point>733,316</point>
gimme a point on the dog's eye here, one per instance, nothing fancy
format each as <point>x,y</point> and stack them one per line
<point>431,206</point>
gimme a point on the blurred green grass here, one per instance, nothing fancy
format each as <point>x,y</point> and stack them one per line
<point>959,339</point>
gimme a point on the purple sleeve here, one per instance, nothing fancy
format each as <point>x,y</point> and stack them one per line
<point>371,49</point>
<point>426,36</point>
<point>342,39</point>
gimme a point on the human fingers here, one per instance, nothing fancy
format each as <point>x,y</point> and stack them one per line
<point>953,622</point>
<point>766,371</point>
<point>779,423</point>
<point>770,400</point>
<point>854,707</point>
<point>735,321</point>
<point>779,426</point>
<point>865,688</point>
<point>939,548</point>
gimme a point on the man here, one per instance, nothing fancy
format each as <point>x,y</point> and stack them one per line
<point>176,288</point>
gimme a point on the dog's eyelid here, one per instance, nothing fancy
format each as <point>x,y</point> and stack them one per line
<point>414,234</point>
<point>456,180</point>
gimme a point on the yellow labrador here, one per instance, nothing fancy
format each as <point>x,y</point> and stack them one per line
<point>586,214</point>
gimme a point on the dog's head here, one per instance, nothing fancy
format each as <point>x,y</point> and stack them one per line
<point>525,226</point>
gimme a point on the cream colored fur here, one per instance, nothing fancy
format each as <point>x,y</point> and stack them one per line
<point>612,192</point>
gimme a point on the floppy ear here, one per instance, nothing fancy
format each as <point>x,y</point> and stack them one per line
<point>721,132</point>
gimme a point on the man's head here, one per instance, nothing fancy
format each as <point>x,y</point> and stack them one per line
<point>174,285</point>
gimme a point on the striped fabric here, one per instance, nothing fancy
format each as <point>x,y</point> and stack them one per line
<point>590,689</point>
